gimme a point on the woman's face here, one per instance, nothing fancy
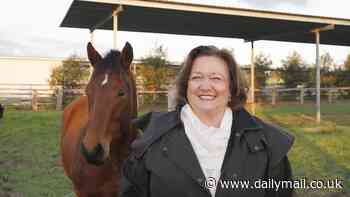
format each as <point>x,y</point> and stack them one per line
<point>208,85</point>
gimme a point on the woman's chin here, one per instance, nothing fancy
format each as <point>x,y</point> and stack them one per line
<point>208,110</point>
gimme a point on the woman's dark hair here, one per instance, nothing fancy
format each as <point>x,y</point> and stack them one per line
<point>238,86</point>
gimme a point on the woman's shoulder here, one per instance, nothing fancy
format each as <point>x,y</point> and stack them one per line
<point>275,134</point>
<point>260,133</point>
<point>278,139</point>
<point>272,134</point>
<point>148,121</point>
<point>153,125</point>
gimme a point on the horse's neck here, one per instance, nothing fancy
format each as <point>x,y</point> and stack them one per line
<point>119,152</point>
<point>120,147</point>
<point>133,101</point>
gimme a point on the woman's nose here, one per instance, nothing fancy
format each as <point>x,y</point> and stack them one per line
<point>205,84</point>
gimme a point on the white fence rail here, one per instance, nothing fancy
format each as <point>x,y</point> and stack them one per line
<point>300,94</point>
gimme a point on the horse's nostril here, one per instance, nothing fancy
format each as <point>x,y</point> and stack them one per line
<point>95,156</point>
<point>98,150</point>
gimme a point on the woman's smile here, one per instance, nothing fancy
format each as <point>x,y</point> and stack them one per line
<point>206,97</point>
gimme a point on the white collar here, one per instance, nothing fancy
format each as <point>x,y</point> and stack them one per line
<point>225,124</point>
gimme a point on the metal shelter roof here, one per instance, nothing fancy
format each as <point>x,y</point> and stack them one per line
<point>206,20</point>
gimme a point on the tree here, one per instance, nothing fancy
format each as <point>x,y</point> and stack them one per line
<point>153,70</point>
<point>347,63</point>
<point>328,77</point>
<point>71,74</point>
<point>262,65</point>
<point>326,62</point>
<point>294,71</point>
<point>327,71</point>
<point>343,74</point>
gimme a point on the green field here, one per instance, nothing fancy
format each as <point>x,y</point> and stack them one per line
<point>319,152</point>
<point>29,157</point>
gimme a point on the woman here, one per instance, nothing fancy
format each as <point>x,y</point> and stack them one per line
<point>210,145</point>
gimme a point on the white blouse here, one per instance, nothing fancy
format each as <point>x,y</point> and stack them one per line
<point>209,143</point>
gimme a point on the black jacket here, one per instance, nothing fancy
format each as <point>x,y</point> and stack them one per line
<point>163,163</point>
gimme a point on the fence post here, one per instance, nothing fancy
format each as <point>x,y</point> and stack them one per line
<point>59,98</point>
<point>154,96</point>
<point>274,94</point>
<point>302,93</point>
<point>142,99</point>
<point>137,100</point>
<point>34,100</point>
<point>330,96</point>
<point>171,98</point>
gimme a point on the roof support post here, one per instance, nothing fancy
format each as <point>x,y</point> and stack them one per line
<point>318,78</point>
<point>115,25</point>
<point>252,78</point>
<point>318,69</point>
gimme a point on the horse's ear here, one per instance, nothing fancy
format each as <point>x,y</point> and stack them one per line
<point>127,55</point>
<point>93,55</point>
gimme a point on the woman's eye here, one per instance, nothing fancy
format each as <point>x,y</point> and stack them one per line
<point>121,93</point>
<point>195,77</point>
<point>216,78</point>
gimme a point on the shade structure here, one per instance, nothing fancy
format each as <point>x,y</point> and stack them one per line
<point>191,19</point>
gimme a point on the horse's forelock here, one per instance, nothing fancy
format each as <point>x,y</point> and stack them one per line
<point>111,61</point>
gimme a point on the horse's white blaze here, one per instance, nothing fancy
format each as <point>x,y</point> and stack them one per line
<point>105,81</point>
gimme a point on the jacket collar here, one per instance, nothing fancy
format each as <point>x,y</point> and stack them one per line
<point>244,121</point>
<point>156,124</point>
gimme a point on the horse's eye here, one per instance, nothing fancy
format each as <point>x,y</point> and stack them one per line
<point>121,93</point>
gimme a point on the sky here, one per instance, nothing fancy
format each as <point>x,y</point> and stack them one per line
<point>31,28</point>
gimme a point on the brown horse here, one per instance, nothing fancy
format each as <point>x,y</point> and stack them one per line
<point>97,129</point>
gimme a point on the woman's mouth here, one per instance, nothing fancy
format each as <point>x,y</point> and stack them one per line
<point>206,97</point>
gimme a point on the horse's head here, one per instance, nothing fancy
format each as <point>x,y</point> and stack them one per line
<point>111,101</point>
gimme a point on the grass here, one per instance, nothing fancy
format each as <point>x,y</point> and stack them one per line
<point>29,155</point>
<point>29,158</point>
<point>316,155</point>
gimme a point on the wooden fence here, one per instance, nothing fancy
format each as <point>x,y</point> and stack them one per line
<point>300,94</point>
<point>37,96</point>
<point>29,95</point>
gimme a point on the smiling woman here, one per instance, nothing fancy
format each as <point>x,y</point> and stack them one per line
<point>209,138</point>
